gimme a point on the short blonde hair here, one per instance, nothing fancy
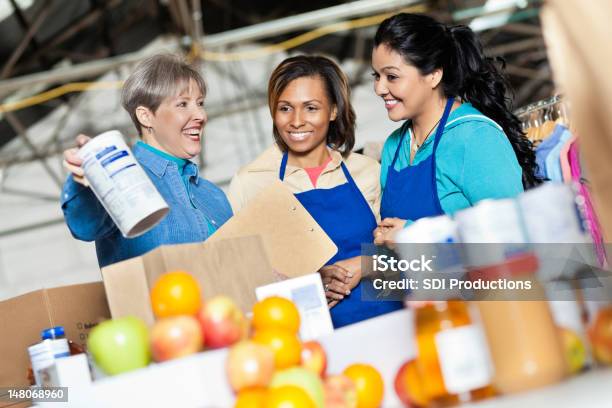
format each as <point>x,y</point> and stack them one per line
<point>155,79</point>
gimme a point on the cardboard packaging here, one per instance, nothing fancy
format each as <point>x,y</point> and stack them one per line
<point>233,267</point>
<point>77,307</point>
<point>199,380</point>
<point>273,238</point>
<point>294,242</point>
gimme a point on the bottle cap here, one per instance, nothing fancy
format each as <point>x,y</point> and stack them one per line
<point>52,333</point>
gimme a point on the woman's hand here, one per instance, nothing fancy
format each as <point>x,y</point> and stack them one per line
<point>336,283</point>
<point>72,162</point>
<point>384,234</point>
<point>353,265</point>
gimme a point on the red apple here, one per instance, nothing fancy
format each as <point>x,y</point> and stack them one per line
<point>340,392</point>
<point>174,337</point>
<point>314,357</point>
<point>223,323</point>
<point>249,365</point>
<point>600,334</point>
<point>408,385</point>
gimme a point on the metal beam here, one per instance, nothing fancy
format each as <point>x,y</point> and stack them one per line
<point>251,33</point>
<point>306,21</point>
<point>529,86</point>
<point>516,46</point>
<point>522,28</point>
<point>26,40</point>
<point>21,130</point>
<point>522,71</point>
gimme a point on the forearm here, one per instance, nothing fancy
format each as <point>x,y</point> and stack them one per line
<point>84,214</point>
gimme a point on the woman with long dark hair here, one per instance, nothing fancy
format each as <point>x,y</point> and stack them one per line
<point>459,142</point>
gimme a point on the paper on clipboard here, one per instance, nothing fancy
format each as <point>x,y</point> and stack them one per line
<point>294,242</point>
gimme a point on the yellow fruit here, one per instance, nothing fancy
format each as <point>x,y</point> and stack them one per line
<point>285,344</point>
<point>276,313</point>
<point>369,384</point>
<point>575,352</point>
<point>175,293</point>
<point>288,396</point>
<point>251,398</point>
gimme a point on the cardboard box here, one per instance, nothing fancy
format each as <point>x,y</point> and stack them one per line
<point>199,380</point>
<point>233,267</point>
<point>77,308</point>
<point>273,238</point>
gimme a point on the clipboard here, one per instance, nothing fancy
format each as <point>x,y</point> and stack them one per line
<point>295,244</point>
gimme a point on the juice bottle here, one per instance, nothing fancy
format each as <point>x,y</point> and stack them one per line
<point>452,355</point>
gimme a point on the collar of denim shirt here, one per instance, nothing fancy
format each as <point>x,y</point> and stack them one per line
<point>159,164</point>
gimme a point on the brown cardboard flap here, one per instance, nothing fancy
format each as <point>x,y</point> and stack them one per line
<point>76,307</point>
<point>232,267</point>
<point>235,267</point>
<point>127,290</point>
<point>294,242</point>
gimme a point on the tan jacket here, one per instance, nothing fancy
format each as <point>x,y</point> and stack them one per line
<point>260,173</point>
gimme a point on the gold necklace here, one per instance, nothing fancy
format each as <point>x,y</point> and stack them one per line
<point>416,146</point>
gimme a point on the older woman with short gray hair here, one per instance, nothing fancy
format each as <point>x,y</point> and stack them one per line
<point>164,96</point>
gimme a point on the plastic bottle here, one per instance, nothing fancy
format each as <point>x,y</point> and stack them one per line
<point>452,355</point>
<point>42,355</point>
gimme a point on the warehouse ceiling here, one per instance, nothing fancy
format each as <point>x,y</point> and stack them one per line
<point>43,38</point>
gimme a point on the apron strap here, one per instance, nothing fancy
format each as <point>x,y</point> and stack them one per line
<point>439,130</point>
<point>356,189</point>
<point>442,124</point>
<point>403,131</point>
<point>348,176</point>
<point>283,166</point>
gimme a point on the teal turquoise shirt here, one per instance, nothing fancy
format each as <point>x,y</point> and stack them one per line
<point>474,160</point>
<point>182,164</point>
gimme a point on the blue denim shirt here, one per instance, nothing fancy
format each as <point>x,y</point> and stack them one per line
<point>187,220</point>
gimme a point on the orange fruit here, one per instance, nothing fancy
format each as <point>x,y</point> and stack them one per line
<point>175,293</point>
<point>276,312</point>
<point>285,344</point>
<point>369,384</point>
<point>251,398</point>
<point>288,396</point>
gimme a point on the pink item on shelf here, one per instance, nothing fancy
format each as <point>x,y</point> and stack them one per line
<point>564,158</point>
<point>591,216</point>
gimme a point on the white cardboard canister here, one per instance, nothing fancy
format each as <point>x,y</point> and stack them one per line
<point>437,238</point>
<point>553,222</point>
<point>492,232</point>
<point>121,185</point>
<point>551,215</point>
<point>429,230</point>
<point>43,354</point>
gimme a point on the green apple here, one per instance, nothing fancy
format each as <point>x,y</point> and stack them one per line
<point>302,378</point>
<point>120,345</point>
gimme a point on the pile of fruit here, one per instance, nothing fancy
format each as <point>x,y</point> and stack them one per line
<point>274,369</point>
<point>267,365</point>
<point>185,325</point>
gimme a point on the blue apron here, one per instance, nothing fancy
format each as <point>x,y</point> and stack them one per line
<point>411,193</point>
<point>346,217</point>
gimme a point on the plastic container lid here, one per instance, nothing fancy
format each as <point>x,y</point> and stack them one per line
<point>513,268</point>
<point>52,333</point>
